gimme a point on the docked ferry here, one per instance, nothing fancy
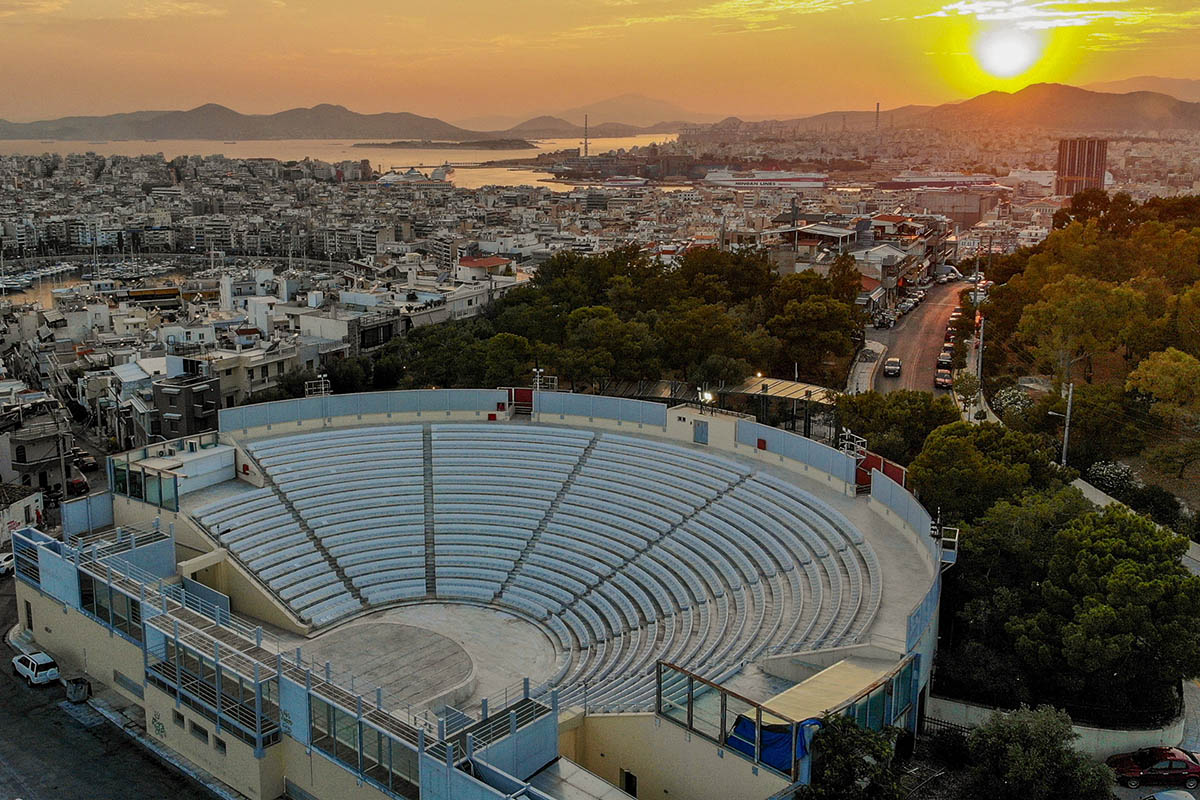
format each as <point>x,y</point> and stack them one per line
<point>766,179</point>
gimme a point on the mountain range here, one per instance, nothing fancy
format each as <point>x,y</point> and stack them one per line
<point>1046,105</point>
<point>1181,88</point>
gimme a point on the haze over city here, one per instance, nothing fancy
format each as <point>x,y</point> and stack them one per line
<point>475,59</point>
<point>600,399</point>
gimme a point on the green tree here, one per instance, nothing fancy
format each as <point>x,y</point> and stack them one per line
<point>845,280</point>
<point>966,387</point>
<point>292,383</point>
<point>1172,378</point>
<point>387,373</point>
<point>809,331</point>
<point>1075,318</point>
<point>895,424</point>
<point>1115,591</point>
<point>1028,755</point>
<point>1002,556</point>
<point>851,763</point>
<point>1176,456</point>
<point>350,374</point>
<point>507,360</point>
<point>963,469</point>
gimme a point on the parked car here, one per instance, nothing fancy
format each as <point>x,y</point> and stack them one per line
<point>37,669</point>
<point>945,361</point>
<point>87,462</point>
<point>892,367</point>
<point>7,562</point>
<point>942,280</point>
<point>1170,794</point>
<point>943,379</point>
<point>78,487</point>
<point>905,306</point>
<point>951,335</point>
<point>1157,765</point>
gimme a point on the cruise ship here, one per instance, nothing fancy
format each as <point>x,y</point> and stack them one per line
<point>625,180</point>
<point>766,179</point>
<point>935,180</point>
<point>414,178</point>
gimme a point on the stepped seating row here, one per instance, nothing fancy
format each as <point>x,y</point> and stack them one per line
<point>263,533</point>
<point>626,549</point>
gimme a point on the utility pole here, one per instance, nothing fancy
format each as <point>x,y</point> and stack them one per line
<point>979,357</point>
<point>1067,424</point>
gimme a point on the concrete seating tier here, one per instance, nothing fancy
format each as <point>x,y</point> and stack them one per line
<point>625,549</point>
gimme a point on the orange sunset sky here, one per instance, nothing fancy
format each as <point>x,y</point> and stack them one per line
<point>457,59</point>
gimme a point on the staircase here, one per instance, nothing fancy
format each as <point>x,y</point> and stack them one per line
<point>430,559</point>
<point>551,510</point>
<point>326,556</point>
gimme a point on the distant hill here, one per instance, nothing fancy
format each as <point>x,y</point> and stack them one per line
<point>904,116</point>
<point>633,109</point>
<point>1185,89</point>
<point>627,109</point>
<point>1055,106</point>
<point>1043,105</point>
<point>220,123</point>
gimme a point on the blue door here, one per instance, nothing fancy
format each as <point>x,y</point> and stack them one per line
<point>700,432</point>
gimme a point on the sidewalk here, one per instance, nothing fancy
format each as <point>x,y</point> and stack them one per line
<point>862,371</point>
<point>980,401</point>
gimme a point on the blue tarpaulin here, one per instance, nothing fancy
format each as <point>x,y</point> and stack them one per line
<point>776,742</point>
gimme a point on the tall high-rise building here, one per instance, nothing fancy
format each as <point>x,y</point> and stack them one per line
<point>1081,165</point>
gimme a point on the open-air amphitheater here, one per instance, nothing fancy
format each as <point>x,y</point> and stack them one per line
<point>615,558</point>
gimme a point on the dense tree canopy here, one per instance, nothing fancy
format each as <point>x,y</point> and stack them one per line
<point>1110,299</point>
<point>851,763</point>
<point>1054,601</point>
<point>963,469</point>
<point>716,316</point>
<point>895,424</point>
<point>1027,755</point>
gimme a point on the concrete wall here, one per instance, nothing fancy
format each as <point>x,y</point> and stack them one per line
<point>236,767</point>
<point>79,643</point>
<point>309,425</point>
<point>1099,742</point>
<point>801,666</point>
<point>319,775</point>
<point>207,469</point>
<point>667,760</point>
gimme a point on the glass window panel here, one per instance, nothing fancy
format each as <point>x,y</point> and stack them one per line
<point>102,604</point>
<point>675,695</point>
<point>875,709</point>
<point>135,484</point>
<point>120,478</point>
<point>153,494</point>
<point>347,738</point>
<point>120,611</point>
<point>170,492</point>
<point>404,763</point>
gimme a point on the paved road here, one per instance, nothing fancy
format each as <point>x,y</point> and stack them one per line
<point>45,754</point>
<point>917,339</point>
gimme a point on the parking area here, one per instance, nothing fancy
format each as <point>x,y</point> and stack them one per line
<point>50,750</point>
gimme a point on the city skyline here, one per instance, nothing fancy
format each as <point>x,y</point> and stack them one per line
<point>471,59</point>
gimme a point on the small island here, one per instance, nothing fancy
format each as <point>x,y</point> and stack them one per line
<point>481,144</point>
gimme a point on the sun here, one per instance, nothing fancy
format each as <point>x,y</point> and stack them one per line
<point>1008,52</point>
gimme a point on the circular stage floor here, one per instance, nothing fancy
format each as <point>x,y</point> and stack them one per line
<point>434,650</point>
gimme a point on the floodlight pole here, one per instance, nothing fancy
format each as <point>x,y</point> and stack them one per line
<point>1067,423</point>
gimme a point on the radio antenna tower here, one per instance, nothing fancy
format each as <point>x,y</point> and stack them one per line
<point>585,135</point>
